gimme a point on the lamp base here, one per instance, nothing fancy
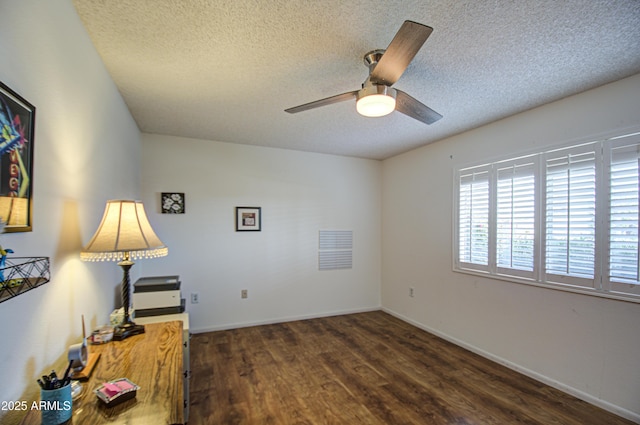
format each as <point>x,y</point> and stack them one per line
<point>126,330</point>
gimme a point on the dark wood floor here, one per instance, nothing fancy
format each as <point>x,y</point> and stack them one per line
<point>368,368</point>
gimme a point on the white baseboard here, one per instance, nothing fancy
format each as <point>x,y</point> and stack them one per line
<point>620,411</point>
<point>227,326</point>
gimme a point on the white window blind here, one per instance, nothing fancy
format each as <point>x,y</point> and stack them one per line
<point>623,219</point>
<point>567,218</point>
<point>623,272</point>
<point>570,233</point>
<point>515,209</point>
<point>473,221</point>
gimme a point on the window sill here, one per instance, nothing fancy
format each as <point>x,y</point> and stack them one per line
<point>555,286</point>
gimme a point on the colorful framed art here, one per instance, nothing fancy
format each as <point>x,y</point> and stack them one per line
<point>17,127</point>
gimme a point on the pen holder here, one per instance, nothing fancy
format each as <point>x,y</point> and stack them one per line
<point>56,405</point>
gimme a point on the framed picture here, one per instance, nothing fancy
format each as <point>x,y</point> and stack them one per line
<point>172,203</point>
<point>17,127</point>
<point>248,219</point>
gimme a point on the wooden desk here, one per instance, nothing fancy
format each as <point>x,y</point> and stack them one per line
<point>153,361</point>
<point>186,342</point>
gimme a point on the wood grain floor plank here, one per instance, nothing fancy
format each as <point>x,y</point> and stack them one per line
<point>333,402</point>
<point>368,368</point>
<point>425,390</point>
<point>460,399</point>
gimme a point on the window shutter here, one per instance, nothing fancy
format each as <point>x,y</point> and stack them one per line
<point>567,218</point>
<point>623,217</point>
<point>473,217</point>
<point>515,216</point>
<point>623,220</point>
<point>570,210</point>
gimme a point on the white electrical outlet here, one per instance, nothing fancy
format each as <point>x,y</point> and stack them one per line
<point>195,298</point>
<point>411,291</point>
<point>244,293</point>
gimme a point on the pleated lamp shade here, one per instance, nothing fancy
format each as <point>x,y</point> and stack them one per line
<point>123,234</point>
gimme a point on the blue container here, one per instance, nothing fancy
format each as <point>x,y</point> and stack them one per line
<point>57,406</point>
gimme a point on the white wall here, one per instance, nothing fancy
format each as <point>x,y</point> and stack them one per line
<point>87,150</point>
<point>299,193</point>
<point>585,344</point>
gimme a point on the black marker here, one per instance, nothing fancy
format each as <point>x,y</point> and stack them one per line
<point>66,379</point>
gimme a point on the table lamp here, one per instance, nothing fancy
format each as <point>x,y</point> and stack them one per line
<point>124,235</point>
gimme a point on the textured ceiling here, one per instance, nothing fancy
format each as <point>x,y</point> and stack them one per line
<point>226,70</point>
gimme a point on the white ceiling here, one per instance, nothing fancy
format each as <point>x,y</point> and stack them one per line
<point>226,70</point>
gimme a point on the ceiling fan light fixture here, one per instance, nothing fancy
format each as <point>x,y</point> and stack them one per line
<point>376,100</point>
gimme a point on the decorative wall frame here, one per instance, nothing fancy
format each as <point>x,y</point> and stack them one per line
<point>248,219</point>
<point>172,203</point>
<point>17,128</point>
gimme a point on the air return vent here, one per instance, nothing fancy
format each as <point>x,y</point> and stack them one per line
<point>335,249</point>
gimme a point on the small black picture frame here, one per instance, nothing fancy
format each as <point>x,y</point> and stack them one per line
<point>172,203</point>
<point>248,219</point>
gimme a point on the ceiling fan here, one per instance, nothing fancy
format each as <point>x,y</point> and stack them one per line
<point>376,98</point>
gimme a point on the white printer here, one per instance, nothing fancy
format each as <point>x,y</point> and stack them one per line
<point>157,295</point>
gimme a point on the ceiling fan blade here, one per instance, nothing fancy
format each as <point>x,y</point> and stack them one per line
<point>401,51</point>
<point>415,109</point>
<point>323,102</point>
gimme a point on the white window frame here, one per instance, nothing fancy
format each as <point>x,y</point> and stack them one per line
<point>559,279</point>
<point>611,285</point>
<point>533,162</point>
<point>600,284</point>
<point>462,174</point>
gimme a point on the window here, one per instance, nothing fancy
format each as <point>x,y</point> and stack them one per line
<point>622,216</point>
<point>515,217</point>
<point>568,218</point>
<point>570,209</point>
<point>474,219</point>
